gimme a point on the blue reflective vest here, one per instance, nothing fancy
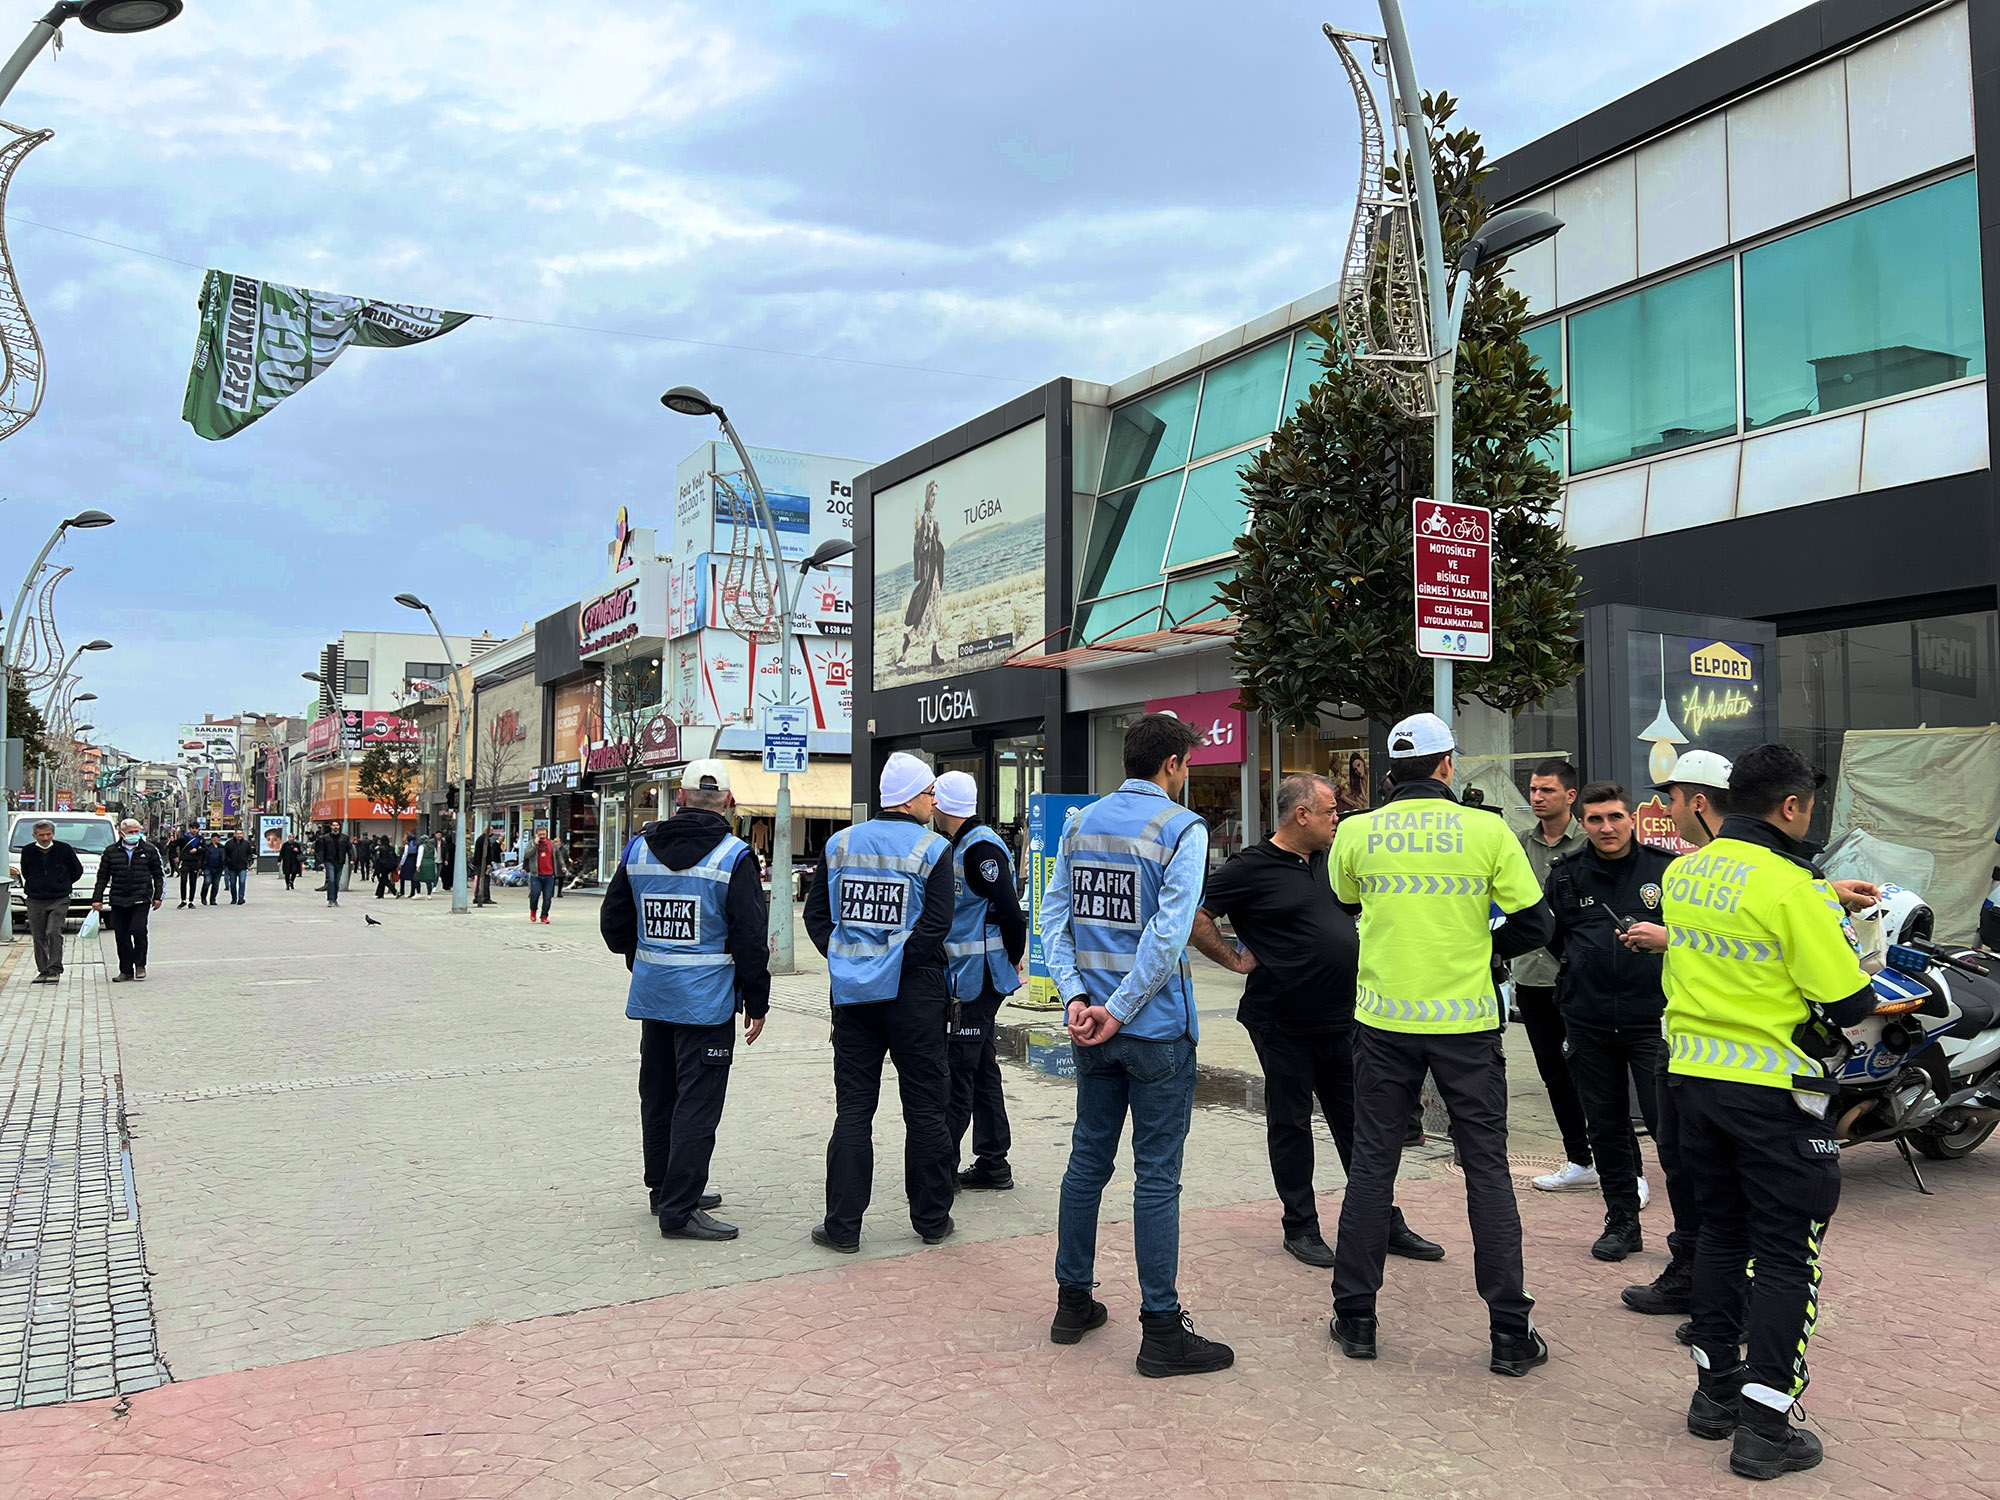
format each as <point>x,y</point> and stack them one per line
<point>682,971</point>
<point>974,949</point>
<point>875,874</point>
<point>1118,849</point>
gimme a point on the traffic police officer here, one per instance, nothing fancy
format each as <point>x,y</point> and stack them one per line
<point>989,933</point>
<point>1761,968</point>
<point>1426,873</point>
<point>880,910</point>
<point>686,909</point>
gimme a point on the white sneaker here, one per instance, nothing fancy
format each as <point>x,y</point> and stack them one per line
<point>1645,1194</point>
<point>1571,1179</point>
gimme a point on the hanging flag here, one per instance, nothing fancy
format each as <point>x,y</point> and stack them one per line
<point>261,341</point>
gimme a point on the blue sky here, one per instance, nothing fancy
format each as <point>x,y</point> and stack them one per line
<point>1005,193</point>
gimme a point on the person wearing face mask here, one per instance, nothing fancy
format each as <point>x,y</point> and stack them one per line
<point>50,869</point>
<point>131,878</point>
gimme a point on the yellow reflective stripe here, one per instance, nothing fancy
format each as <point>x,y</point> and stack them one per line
<point>1425,1012</point>
<point>1424,885</point>
<point>1742,1057</point>
<point>1745,950</point>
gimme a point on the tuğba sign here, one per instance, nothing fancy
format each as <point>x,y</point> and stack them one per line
<point>1454,561</point>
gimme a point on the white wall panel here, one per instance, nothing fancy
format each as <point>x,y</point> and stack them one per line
<point>1599,245</point>
<point>1532,273</point>
<point>1610,508</point>
<point>1909,101</point>
<point>1788,151</point>
<point>1691,491</point>
<point>1683,195</point>
<point>1798,465</point>
<point>1925,437</point>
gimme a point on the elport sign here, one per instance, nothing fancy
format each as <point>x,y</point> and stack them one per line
<point>1454,562</point>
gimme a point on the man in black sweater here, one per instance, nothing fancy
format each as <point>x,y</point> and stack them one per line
<point>1610,996</point>
<point>50,870</point>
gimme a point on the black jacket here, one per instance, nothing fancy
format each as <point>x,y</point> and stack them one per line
<point>333,848</point>
<point>49,874</point>
<point>130,875</point>
<point>238,853</point>
<point>290,860</point>
<point>681,843</point>
<point>1602,983</point>
<point>924,976</point>
<point>386,860</point>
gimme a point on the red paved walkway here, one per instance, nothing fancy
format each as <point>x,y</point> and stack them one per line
<point>931,1375</point>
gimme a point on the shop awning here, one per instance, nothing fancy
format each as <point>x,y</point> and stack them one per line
<point>1125,648</point>
<point>824,791</point>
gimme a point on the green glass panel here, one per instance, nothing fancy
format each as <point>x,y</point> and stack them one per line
<point>1113,619</point>
<point>1150,435</point>
<point>1545,343</point>
<point>1212,511</point>
<point>1307,347</point>
<point>1128,536</point>
<point>1868,305</point>
<point>1239,400</point>
<point>1189,600</point>
<point>1653,371</point>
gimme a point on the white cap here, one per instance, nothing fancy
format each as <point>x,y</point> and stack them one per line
<point>1698,768</point>
<point>1420,734</point>
<point>905,778</point>
<point>705,775</point>
<point>957,794</point>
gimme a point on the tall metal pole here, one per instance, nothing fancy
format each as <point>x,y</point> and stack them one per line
<point>461,901</point>
<point>781,833</point>
<point>39,36</point>
<point>7,677</point>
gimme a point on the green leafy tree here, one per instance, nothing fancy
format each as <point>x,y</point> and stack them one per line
<point>24,723</point>
<point>389,777</point>
<point>1324,583</point>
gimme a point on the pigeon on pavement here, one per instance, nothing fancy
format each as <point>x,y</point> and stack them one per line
<point>370,920</point>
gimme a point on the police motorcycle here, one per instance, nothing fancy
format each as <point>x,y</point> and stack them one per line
<point>1924,1069</point>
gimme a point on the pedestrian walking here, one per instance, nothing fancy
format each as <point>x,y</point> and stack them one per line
<point>50,870</point>
<point>237,856</point>
<point>187,861</point>
<point>1611,998</point>
<point>447,843</point>
<point>214,866</point>
<point>1763,973</point>
<point>1116,914</point>
<point>983,950</point>
<point>1298,954</point>
<point>1427,873</point>
<point>1552,795</point>
<point>427,868</point>
<point>686,910</point>
<point>880,910</point>
<point>131,879</point>
<point>406,875</point>
<point>291,861</point>
<point>488,852</point>
<point>542,868</point>
<point>385,861</point>
<point>334,849</point>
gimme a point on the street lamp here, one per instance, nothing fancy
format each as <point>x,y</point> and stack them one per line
<point>88,520</point>
<point>461,898</point>
<point>113,17</point>
<point>687,401</point>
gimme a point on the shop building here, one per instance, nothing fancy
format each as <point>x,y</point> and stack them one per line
<point>506,738</point>
<point>572,721</point>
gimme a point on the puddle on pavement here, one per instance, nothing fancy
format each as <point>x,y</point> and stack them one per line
<point>1214,1088</point>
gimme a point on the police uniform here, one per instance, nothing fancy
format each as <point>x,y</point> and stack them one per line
<point>686,908</point>
<point>1755,945</point>
<point>988,935</point>
<point>880,910</point>
<point>1427,872</point>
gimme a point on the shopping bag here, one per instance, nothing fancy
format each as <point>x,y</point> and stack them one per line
<point>89,929</point>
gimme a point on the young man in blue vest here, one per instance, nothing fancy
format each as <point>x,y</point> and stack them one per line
<point>880,910</point>
<point>1116,914</point>
<point>686,909</point>
<point>989,933</point>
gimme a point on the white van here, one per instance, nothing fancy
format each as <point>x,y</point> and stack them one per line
<point>89,834</point>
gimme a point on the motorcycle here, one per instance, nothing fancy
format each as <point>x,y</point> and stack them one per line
<point>1924,1069</point>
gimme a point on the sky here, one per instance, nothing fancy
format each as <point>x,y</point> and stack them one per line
<point>856,223</point>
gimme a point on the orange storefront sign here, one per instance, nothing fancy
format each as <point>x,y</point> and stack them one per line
<point>335,809</point>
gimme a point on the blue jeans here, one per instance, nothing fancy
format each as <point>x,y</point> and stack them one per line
<point>1155,1081</point>
<point>238,883</point>
<point>542,889</point>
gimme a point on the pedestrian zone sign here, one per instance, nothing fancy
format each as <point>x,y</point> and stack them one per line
<point>785,738</point>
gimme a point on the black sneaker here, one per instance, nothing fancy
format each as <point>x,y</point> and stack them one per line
<point>1669,1292</point>
<point>940,1234</point>
<point>1169,1346</point>
<point>997,1176</point>
<point>1712,1412</point>
<point>700,1226</point>
<point>1077,1313</point>
<point>1356,1336</point>
<point>1767,1444</point>
<point>1406,1242</point>
<point>1310,1250</point>
<point>822,1238</point>
<point>1518,1353</point>
<point>1621,1236</point>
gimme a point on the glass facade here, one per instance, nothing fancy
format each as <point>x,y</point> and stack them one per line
<point>1875,303</point>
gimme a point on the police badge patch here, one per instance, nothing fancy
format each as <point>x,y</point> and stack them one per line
<point>1650,894</point>
<point>989,870</point>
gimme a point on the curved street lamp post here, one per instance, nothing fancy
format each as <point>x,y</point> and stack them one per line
<point>461,899</point>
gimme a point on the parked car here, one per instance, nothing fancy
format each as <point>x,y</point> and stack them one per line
<point>90,834</point>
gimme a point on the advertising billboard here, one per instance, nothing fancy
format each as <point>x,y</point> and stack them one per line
<point>717,677</point>
<point>826,600</point>
<point>578,718</point>
<point>811,499</point>
<point>272,831</point>
<point>207,744</point>
<point>960,561</point>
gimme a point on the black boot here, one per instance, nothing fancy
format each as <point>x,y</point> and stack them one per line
<point>1406,1242</point>
<point>1356,1336</point>
<point>1712,1412</point>
<point>1077,1313</point>
<point>986,1174</point>
<point>1669,1292</point>
<point>1620,1238</point>
<point>1767,1444</point>
<point>1170,1346</point>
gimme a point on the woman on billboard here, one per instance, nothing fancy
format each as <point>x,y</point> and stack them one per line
<point>923,618</point>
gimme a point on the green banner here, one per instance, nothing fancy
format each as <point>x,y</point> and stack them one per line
<point>261,341</point>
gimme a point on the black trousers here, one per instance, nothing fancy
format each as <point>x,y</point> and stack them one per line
<point>911,1032</point>
<point>385,884</point>
<point>1544,1025</point>
<point>128,926</point>
<point>190,882</point>
<point>1767,1176</point>
<point>1299,1069</point>
<point>1680,1192</point>
<point>976,1098</point>
<point>683,1080</point>
<point>1471,1075</point>
<point>1601,1060</point>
